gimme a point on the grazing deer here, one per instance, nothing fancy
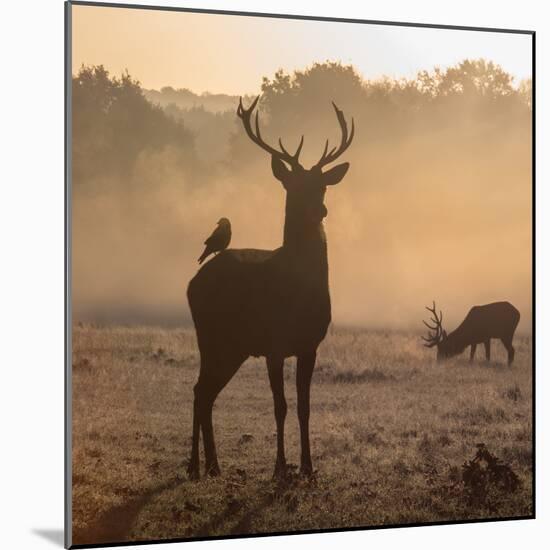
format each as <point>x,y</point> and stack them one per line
<point>497,320</point>
<point>271,303</point>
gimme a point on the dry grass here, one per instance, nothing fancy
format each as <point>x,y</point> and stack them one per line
<point>390,432</point>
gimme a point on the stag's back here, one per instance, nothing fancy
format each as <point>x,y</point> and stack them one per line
<point>496,320</point>
<point>248,300</point>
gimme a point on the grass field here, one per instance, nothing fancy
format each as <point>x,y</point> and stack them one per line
<point>390,432</point>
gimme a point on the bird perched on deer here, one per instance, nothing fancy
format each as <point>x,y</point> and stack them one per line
<point>219,240</point>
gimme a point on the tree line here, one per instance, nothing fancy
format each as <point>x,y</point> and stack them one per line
<point>115,120</point>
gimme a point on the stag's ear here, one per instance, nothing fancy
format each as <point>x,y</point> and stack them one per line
<point>444,334</point>
<point>280,171</point>
<point>335,175</point>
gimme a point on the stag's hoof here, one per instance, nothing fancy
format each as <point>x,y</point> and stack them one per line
<point>212,470</point>
<point>193,472</point>
<point>306,471</point>
<point>280,472</point>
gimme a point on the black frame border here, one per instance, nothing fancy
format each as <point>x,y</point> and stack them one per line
<point>67,80</point>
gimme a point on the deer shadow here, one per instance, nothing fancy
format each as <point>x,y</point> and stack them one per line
<point>270,491</point>
<point>115,524</point>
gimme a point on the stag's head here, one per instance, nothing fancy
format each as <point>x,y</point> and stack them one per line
<point>305,187</point>
<point>436,335</point>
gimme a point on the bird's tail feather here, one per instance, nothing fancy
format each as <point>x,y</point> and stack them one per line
<point>204,255</point>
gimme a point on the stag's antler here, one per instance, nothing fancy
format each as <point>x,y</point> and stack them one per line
<point>335,152</point>
<point>434,339</point>
<point>283,154</point>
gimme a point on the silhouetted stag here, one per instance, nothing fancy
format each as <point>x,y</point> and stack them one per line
<point>497,320</point>
<point>271,303</point>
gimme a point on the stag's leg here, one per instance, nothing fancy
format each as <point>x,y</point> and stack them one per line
<point>510,349</point>
<point>304,370</point>
<point>275,370</point>
<point>211,382</point>
<point>487,344</point>
<point>472,352</point>
<point>211,467</point>
<point>193,469</point>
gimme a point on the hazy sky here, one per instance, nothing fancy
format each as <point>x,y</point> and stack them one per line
<point>231,54</point>
<point>423,214</point>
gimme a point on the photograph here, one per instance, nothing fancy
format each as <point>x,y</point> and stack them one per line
<point>300,274</point>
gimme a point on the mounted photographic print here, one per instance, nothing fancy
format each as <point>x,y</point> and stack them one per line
<point>299,274</point>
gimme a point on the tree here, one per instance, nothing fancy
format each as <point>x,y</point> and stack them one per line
<point>526,91</point>
<point>113,123</point>
<point>476,77</point>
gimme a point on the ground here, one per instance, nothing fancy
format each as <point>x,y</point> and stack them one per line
<point>390,431</point>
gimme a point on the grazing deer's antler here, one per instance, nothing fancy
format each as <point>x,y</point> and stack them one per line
<point>256,137</point>
<point>335,152</point>
<point>434,339</point>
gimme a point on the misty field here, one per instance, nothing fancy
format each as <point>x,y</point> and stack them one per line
<point>390,433</point>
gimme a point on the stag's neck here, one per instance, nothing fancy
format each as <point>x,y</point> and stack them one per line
<point>306,246</point>
<point>458,339</point>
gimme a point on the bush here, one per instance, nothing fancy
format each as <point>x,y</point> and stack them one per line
<point>486,478</point>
